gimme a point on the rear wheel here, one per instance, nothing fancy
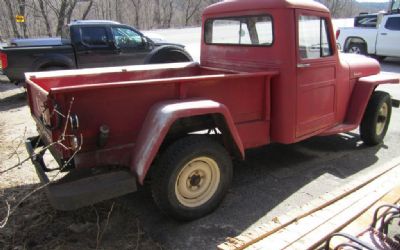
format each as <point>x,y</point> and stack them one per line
<point>191,177</point>
<point>357,48</point>
<point>376,119</point>
<point>51,68</point>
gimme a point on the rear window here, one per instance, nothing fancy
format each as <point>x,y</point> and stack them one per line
<point>367,21</point>
<point>247,31</point>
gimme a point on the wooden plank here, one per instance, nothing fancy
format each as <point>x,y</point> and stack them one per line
<point>283,221</point>
<point>365,220</point>
<point>322,223</point>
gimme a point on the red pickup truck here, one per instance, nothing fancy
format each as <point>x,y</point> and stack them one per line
<point>269,72</point>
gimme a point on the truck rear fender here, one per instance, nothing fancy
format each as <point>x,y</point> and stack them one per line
<point>53,60</point>
<point>361,94</point>
<point>356,39</point>
<point>159,121</point>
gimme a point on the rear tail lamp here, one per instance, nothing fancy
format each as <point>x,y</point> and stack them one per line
<point>3,60</point>
<point>337,34</point>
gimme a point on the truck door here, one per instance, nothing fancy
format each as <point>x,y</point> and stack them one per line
<point>93,48</point>
<point>388,37</point>
<point>316,73</point>
<point>130,47</point>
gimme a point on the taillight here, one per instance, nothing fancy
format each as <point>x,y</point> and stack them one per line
<point>3,60</point>
<point>337,34</point>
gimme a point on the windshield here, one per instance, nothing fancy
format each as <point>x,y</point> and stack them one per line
<point>249,30</point>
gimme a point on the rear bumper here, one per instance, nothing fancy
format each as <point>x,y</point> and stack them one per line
<point>80,188</point>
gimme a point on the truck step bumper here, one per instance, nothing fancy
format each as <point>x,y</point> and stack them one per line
<point>79,190</point>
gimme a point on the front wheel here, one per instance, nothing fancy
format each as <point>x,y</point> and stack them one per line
<point>376,118</point>
<point>191,177</point>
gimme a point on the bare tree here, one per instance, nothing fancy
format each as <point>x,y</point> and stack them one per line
<point>137,6</point>
<point>87,10</point>
<point>11,16</point>
<point>43,11</point>
<point>339,8</point>
<point>168,7</point>
<point>49,17</point>
<point>191,7</point>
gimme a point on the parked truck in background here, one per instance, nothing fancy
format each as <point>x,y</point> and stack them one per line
<point>87,44</point>
<point>373,34</point>
<point>270,71</point>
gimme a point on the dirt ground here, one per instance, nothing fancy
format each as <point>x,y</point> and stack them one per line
<point>34,224</point>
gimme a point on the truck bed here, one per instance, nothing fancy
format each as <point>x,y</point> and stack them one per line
<point>120,97</point>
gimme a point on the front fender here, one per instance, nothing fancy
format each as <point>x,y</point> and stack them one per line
<point>158,122</point>
<point>166,48</point>
<point>362,92</point>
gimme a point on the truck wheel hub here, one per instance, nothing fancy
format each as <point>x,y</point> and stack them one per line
<point>382,118</point>
<point>197,182</point>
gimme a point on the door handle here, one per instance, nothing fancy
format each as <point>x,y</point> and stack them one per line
<point>383,34</point>
<point>303,65</point>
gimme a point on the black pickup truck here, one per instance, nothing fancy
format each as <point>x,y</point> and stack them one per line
<point>88,44</point>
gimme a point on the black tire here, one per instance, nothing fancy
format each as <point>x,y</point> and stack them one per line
<point>170,56</point>
<point>381,58</point>
<point>173,167</point>
<point>376,118</point>
<point>357,48</point>
<point>51,68</point>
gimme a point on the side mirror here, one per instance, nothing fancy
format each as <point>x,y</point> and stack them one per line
<point>113,44</point>
<point>147,42</point>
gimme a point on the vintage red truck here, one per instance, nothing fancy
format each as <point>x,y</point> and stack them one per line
<point>269,72</point>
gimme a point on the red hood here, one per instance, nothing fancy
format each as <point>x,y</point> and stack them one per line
<point>360,65</point>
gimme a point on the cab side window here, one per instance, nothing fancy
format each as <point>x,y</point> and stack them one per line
<point>94,36</point>
<point>126,38</point>
<point>313,38</point>
<point>393,23</point>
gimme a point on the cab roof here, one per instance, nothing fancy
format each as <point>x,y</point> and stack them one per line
<point>245,5</point>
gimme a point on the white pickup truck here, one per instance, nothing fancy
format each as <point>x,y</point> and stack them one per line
<point>380,39</point>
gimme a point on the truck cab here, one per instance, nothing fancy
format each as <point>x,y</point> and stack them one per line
<point>296,38</point>
<point>269,72</point>
<point>98,42</point>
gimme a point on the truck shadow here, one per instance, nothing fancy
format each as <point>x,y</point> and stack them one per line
<point>269,176</point>
<point>16,100</point>
<point>11,96</point>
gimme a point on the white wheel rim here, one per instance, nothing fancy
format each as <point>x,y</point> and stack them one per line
<point>355,50</point>
<point>382,119</point>
<point>197,182</point>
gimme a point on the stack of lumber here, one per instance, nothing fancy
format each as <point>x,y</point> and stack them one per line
<point>348,209</point>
